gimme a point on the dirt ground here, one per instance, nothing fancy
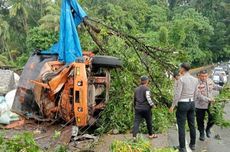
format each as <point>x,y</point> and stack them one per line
<point>44,135</point>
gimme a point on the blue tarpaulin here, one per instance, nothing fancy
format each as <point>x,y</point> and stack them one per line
<point>68,47</point>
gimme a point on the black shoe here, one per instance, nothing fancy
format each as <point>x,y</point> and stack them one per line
<point>208,133</point>
<point>182,150</point>
<point>192,147</point>
<point>202,138</point>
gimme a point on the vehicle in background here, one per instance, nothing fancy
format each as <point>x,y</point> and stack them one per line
<point>219,76</point>
<point>226,68</point>
<point>218,69</point>
<point>229,65</point>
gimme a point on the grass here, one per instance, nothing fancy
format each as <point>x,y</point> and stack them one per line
<point>23,142</point>
<point>19,143</point>
<point>140,145</point>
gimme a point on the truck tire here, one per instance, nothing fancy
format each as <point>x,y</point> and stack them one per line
<point>106,61</point>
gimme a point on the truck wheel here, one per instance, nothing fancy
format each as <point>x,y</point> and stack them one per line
<point>106,61</point>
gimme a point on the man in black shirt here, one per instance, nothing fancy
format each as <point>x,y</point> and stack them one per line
<point>142,105</point>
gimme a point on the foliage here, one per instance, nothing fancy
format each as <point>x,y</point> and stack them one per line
<point>191,31</point>
<point>4,34</point>
<point>195,31</point>
<point>3,60</point>
<point>162,119</point>
<point>121,117</point>
<point>141,145</point>
<point>50,21</point>
<point>21,142</point>
<point>41,39</point>
<point>24,142</point>
<point>217,109</point>
<point>61,148</point>
<point>165,150</point>
<point>224,94</point>
<point>126,146</point>
<point>198,29</point>
<point>56,135</point>
<point>119,111</point>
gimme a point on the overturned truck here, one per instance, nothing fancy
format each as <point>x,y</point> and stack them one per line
<point>49,90</point>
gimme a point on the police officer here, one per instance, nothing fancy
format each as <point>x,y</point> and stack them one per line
<point>142,105</point>
<point>176,76</point>
<point>204,98</point>
<point>184,100</point>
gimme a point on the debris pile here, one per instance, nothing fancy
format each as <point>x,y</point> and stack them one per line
<point>7,81</point>
<point>8,84</point>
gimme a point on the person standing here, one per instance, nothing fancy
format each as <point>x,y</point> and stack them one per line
<point>184,94</point>
<point>204,99</point>
<point>143,105</point>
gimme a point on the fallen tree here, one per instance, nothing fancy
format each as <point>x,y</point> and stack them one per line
<point>139,58</point>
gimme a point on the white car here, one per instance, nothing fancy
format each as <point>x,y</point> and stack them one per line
<point>217,77</point>
<point>218,69</point>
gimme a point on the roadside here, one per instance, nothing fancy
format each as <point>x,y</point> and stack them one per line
<point>106,140</point>
<point>196,70</point>
<point>213,144</point>
<point>46,136</point>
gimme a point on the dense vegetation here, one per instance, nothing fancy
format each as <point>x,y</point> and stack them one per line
<point>165,34</point>
<point>200,29</point>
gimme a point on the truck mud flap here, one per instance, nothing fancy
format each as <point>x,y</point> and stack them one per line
<point>24,103</point>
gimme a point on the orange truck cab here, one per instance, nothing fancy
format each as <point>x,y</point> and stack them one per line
<point>49,90</point>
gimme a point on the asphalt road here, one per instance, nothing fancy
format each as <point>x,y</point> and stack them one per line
<point>210,144</point>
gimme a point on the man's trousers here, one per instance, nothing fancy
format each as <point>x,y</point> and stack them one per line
<point>200,116</point>
<point>186,111</point>
<point>139,114</point>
